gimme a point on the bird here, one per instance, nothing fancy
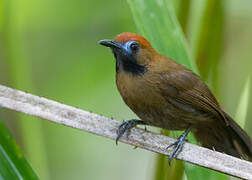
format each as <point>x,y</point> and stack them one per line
<point>167,95</point>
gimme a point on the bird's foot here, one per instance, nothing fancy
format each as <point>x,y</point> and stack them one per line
<point>178,144</point>
<point>126,126</point>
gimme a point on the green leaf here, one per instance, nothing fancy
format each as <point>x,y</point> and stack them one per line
<point>183,14</point>
<point>209,42</point>
<point>13,165</point>
<point>156,20</point>
<point>243,104</point>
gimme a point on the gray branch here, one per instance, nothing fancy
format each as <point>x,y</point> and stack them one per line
<point>96,124</point>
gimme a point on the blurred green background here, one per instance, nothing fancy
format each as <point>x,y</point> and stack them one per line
<point>49,48</point>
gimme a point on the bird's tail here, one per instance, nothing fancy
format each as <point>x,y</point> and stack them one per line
<point>230,139</point>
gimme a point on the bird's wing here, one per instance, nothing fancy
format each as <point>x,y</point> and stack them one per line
<point>184,89</point>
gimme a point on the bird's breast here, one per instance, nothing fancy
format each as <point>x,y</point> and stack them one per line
<point>144,98</point>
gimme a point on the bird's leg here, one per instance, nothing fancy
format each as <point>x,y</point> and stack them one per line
<point>178,144</point>
<point>126,126</point>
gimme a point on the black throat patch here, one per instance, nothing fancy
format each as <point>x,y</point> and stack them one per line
<point>128,64</point>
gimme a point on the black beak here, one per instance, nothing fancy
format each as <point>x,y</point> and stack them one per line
<point>110,43</point>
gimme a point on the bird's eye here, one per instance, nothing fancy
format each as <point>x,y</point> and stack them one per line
<point>134,46</point>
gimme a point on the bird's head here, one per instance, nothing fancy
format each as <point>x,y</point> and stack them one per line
<point>132,52</point>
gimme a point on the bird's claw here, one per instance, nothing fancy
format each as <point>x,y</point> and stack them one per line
<point>178,145</point>
<point>125,127</point>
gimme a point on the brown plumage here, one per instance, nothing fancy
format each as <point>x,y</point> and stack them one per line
<point>166,94</point>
